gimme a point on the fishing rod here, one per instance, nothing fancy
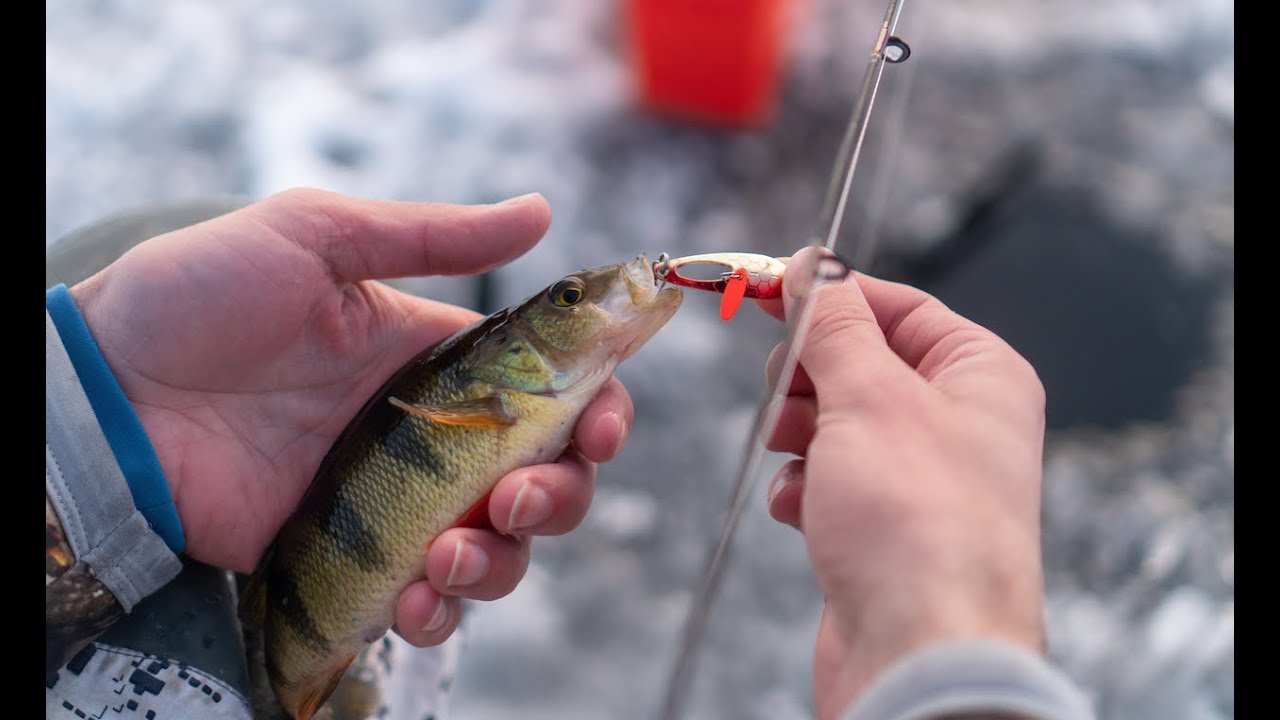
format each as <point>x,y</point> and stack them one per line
<point>888,48</point>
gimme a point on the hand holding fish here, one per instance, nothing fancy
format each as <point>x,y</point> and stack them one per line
<point>918,488</point>
<point>247,343</point>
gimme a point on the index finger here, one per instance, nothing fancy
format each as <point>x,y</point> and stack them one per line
<point>889,301</point>
<point>959,357</point>
<point>922,330</point>
<point>951,352</point>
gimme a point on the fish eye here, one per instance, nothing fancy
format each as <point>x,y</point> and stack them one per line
<point>568,292</point>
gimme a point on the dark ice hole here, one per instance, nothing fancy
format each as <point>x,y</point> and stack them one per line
<point>1111,324</point>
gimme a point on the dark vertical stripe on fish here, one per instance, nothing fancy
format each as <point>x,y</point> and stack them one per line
<point>288,605</point>
<point>341,521</point>
<point>408,447</point>
<point>275,671</point>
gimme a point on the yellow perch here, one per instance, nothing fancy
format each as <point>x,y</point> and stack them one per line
<point>431,444</point>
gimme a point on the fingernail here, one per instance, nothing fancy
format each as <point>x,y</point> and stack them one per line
<point>438,618</point>
<point>532,506</point>
<point>470,564</point>
<point>810,268</point>
<point>616,425</point>
<point>519,199</point>
<point>832,268</point>
<point>775,487</point>
<point>773,366</point>
<point>786,475</point>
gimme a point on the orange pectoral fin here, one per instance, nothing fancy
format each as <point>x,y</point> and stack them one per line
<point>485,412</point>
<point>313,699</point>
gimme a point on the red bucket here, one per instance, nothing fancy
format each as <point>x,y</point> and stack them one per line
<point>713,61</point>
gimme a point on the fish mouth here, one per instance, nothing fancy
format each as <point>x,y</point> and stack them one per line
<point>643,286</point>
<point>651,307</point>
<point>640,277</point>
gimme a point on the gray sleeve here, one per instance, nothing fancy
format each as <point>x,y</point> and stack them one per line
<point>89,493</point>
<point>971,677</point>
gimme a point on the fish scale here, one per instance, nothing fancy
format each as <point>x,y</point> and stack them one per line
<point>410,502</point>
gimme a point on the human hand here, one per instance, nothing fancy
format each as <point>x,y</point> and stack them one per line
<point>918,492</point>
<point>246,343</point>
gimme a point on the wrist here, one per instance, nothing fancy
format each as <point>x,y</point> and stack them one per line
<point>125,435</point>
<point>875,634</point>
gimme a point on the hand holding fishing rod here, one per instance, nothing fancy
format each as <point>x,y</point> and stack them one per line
<point>917,489</point>
<point>246,344</point>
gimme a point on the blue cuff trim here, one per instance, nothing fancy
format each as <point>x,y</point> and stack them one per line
<point>124,432</point>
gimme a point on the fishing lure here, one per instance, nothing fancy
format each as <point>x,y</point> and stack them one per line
<point>747,275</point>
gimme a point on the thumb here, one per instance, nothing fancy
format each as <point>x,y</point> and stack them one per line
<point>843,349</point>
<point>361,239</point>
